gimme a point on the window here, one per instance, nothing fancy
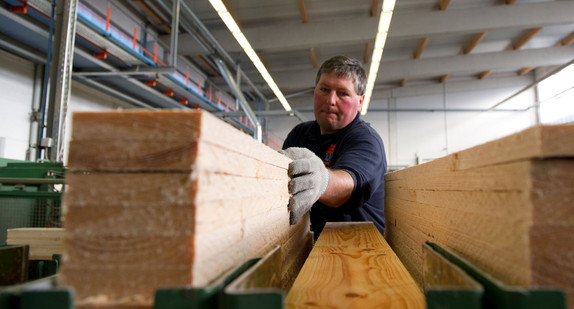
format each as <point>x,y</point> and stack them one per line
<point>556,95</point>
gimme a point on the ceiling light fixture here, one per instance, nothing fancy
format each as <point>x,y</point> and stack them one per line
<point>382,32</point>
<point>232,26</point>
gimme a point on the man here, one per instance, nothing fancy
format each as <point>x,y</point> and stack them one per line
<point>338,160</point>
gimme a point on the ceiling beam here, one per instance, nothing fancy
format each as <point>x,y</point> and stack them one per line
<point>374,8</point>
<point>454,86</point>
<point>303,11</point>
<point>285,36</point>
<point>482,19</point>
<point>472,44</point>
<point>484,74</point>
<point>313,57</point>
<point>381,94</point>
<point>567,40</point>
<point>443,4</point>
<point>392,71</point>
<point>527,36</point>
<point>421,47</point>
<point>525,70</point>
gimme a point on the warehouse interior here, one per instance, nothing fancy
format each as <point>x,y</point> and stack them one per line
<point>453,74</point>
<point>464,82</point>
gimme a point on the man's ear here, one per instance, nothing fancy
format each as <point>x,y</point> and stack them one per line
<point>361,100</point>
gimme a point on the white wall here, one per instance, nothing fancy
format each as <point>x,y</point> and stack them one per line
<point>16,101</point>
<point>408,136</point>
<point>16,98</point>
<point>86,99</point>
<point>419,136</point>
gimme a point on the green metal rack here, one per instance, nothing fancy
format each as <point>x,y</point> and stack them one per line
<point>496,295</point>
<point>30,194</point>
<point>454,283</point>
<point>446,285</point>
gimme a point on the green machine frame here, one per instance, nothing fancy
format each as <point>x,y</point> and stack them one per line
<point>30,194</point>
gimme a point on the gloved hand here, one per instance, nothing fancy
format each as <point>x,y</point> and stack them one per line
<point>309,180</point>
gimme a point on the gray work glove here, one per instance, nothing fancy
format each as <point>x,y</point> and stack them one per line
<point>309,180</point>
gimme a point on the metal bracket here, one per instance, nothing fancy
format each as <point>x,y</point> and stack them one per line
<point>259,286</point>
<point>499,295</point>
<point>446,285</point>
<point>204,297</point>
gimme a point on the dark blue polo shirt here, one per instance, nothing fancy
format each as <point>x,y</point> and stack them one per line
<point>357,149</point>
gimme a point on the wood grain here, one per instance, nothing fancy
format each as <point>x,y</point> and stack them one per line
<point>155,128</point>
<point>503,206</point>
<point>538,142</point>
<point>169,198</point>
<point>43,242</point>
<point>352,266</point>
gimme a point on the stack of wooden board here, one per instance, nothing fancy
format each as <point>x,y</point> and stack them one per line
<point>43,242</point>
<point>352,266</point>
<point>507,206</point>
<point>169,198</point>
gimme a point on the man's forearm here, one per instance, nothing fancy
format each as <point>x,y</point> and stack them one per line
<point>339,190</point>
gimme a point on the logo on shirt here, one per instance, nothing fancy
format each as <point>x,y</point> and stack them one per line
<point>329,154</point>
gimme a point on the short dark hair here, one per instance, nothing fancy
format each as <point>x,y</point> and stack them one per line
<point>345,66</point>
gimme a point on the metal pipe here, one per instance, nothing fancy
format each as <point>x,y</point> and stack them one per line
<point>61,74</point>
<point>536,82</point>
<point>113,92</point>
<point>137,71</point>
<point>295,94</point>
<point>218,48</point>
<point>242,101</point>
<point>46,87</point>
<point>174,32</point>
<point>265,113</point>
<point>31,181</point>
<point>16,48</point>
<point>32,152</point>
<point>432,110</point>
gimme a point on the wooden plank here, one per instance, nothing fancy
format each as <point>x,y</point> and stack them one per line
<point>43,242</point>
<point>165,126</point>
<point>294,254</point>
<point>168,188</point>
<point>534,143</point>
<point>352,266</point>
<point>553,257</point>
<point>503,177</point>
<point>552,192</point>
<point>138,156</point>
<point>471,221</point>
<point>494,205</point>
<point>538,142</point>
<point>168,198</point>
<point>220,200</point>
<point>13,265</point>
<point>478,237</point>
<point>120,286</point>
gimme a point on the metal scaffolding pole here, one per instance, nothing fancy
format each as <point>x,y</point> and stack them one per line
<point>257,134</point>
<point>174,32</point>
<point>60,75</point>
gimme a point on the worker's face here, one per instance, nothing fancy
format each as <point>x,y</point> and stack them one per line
<point>336,102</point>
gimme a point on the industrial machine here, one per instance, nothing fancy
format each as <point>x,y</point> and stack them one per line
<point>30,196</point>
